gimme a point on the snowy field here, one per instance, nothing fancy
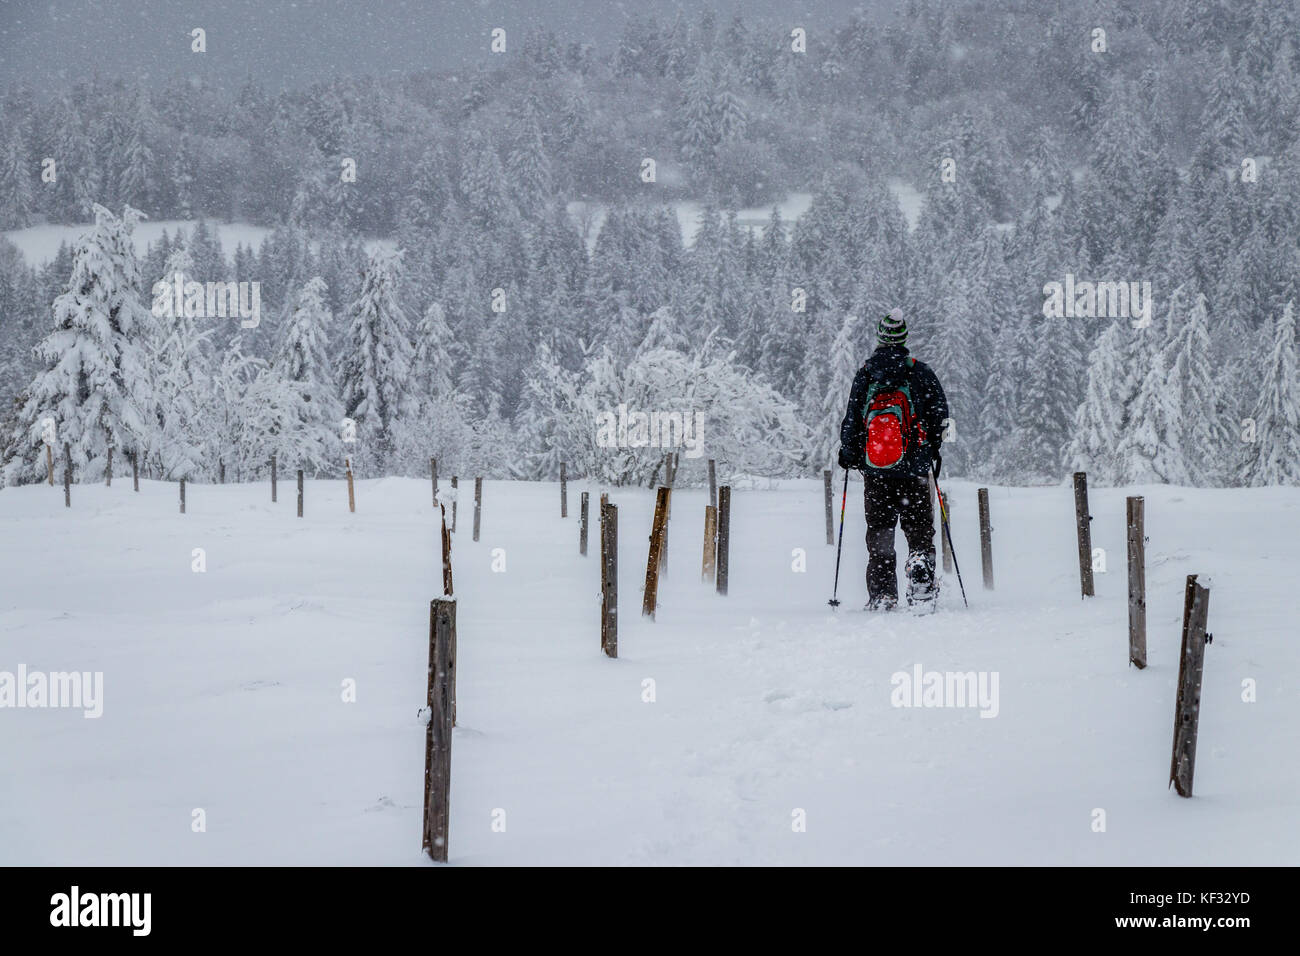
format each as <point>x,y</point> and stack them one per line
<point>223,689</point>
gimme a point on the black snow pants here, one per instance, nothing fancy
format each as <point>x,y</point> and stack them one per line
<point>893,499</point>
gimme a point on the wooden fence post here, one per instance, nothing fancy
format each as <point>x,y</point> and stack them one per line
<point>582,527</point>
<point>433,469</point>
<point>947,547</point>
<point>1196,609</point>
<point>713,483</point>
<point>352,500</point>
<point>440,701</point>
<point>49,462</point>
<point>67,476</point>
<point>273,480</point>
<point>221,471</point>
<point>182,496</point>
<point>830,514</point>
<point>455,486</point>
<point>608,577</point>
<point>710,566</point>
<point>135,470</point>
<point>724,536</point>
<point>446,555</point>
<point>986,539</point>
<point>564,492</point>
<point>299,492</point>
<point>651,599</point>
<point>1137,582</point>
<point>1082,521</point>
<point>478,504</point>
<point>670,474</point>
<point>108,469</point>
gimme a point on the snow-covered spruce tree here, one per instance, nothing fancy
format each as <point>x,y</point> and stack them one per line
<point>844,364</point>
<point>1205,439</point>
<point>178,358</point>
<point>234,414</point>
<point>375,380</point>
<point>1099,419</point>
<point>301,426</point>
<point>95,385</point>
<point>1274,457</point>
<point>436,426</point>
<point>1150,448</point>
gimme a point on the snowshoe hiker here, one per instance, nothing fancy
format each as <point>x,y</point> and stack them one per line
<point>891,433</point>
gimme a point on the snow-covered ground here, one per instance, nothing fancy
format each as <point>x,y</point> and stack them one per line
<point>223,690</point>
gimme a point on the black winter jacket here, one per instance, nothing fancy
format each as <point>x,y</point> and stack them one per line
<point>890,366</point>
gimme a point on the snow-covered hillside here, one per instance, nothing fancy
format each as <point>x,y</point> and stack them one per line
<point>223,690</point>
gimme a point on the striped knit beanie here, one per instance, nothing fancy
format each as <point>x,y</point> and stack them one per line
<point>891,331</point>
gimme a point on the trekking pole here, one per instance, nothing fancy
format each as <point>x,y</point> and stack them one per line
<point>943,520</point>
<point>840,547</point>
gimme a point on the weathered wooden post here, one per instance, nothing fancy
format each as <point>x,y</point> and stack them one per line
<point>670,475</point>
<point>446,555</point>
<point>433,469</point>
<point>67,476</point>
<point>182,496</point>
<point>49,462</point>
<point>455,494</point>
<point>986,539</point>
<point>608,577</point>
<point>830,513</point>
<point>1084,528</point>
<point>440,700</point>
<point>1137,582</point>
<point>713,483</point>
<point>564,492</point>
<point>221,471</point>
<point>651,598</point>
<point>582,527</point>
<point>947,546</point>
<point>478,504</point>
<point>724,536</point>
<point>273,480</point>
<point>710,565</point>
<point>1196,609</point>
<point>352,500</point>
<point>108,469</point>
<point>135,470</point>
<point>299,492</point>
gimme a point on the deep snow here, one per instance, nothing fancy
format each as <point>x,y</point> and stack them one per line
<point>223,689</point>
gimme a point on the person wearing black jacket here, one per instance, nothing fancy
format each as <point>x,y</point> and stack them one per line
<point>899,493</point>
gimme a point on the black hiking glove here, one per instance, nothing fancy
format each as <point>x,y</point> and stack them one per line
<point>849,459</point>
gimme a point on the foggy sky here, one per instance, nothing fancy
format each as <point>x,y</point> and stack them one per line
<point>294,42</point>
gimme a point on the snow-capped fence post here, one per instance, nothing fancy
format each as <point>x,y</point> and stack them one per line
<point>1137,582</point>
<point>1196,609</point>
<point>433,469</point>
<point>108,469</point>
<point>608,577</point>
<point>1081,523</point>
<point>947,545</point>
<point>710,566</point>
<point>826,496</point>
<point>564,492</point>
<point>352,499</point>
<point>299,492</point>
<point>455,494</point>
<point>651,599</point>
<point>582,527</point>
<point>135,470</point>
<point>49,462</point>
<point>273,476</point>
<point>446,554</point>
<point>713,483</point>
<point>67,476</point>
<point>478,504</point>
<point>986,539</point>
<point>182,496</point>
<point>440,701</point>
<point>724,536</point>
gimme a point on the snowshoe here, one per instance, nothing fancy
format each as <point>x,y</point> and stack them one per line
<point>883,602</point>
<point>922,587</point>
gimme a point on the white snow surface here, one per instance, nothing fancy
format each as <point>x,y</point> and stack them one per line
<point>223,690</point>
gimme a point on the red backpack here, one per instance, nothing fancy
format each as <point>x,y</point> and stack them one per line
<point>890,426</point>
